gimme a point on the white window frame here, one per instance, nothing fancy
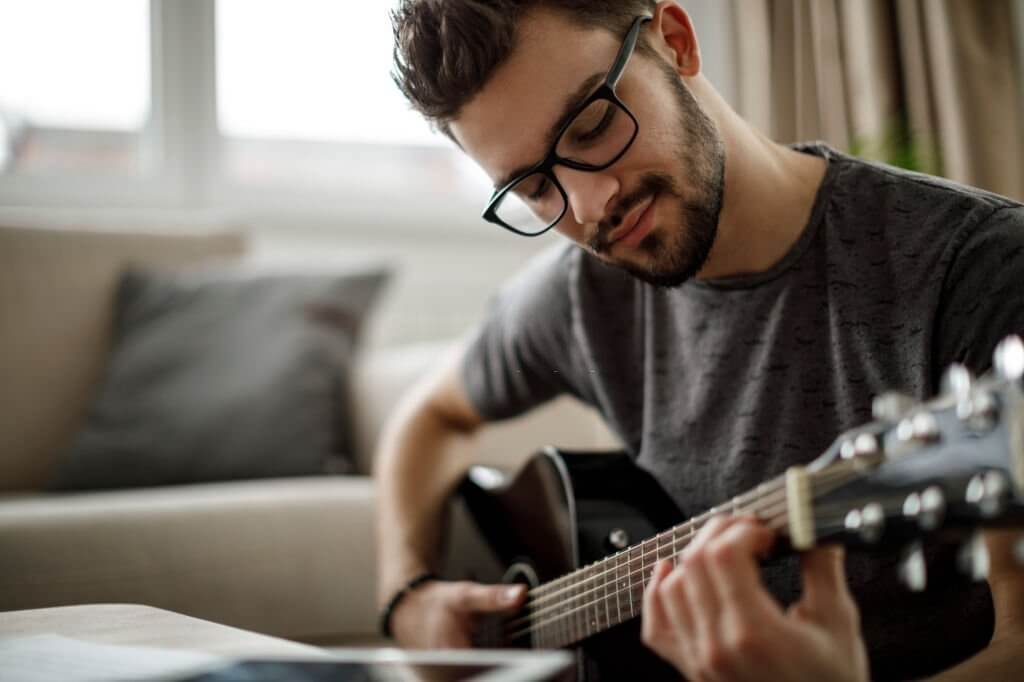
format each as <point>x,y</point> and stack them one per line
<point>181,151</point>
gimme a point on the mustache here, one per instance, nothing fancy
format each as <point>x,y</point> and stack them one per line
<point>650,184</point>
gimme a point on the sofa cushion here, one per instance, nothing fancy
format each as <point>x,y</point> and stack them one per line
<point>223,374</point>
<point>56,288</point>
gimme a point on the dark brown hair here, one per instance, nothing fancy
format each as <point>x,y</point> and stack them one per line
<point>446,50</point>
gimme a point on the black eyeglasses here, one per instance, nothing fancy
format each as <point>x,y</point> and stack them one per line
<point>594,137</point>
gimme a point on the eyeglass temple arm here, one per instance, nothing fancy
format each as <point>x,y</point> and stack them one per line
<point>628,45</point>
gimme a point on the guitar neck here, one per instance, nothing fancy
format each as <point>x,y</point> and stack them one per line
<point>605,593</point>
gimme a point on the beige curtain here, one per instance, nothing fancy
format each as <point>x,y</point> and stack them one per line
<point>934,85</point>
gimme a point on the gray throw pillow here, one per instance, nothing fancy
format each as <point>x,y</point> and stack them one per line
<point>223,374</point>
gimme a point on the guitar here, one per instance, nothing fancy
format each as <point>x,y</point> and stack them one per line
<point>565,523</point>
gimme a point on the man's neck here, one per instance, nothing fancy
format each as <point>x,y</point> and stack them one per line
<point>769,195</point>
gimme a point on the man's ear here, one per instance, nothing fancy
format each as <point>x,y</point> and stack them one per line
<point>673,37</point>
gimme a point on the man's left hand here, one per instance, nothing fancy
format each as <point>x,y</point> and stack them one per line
<point>713,619</point>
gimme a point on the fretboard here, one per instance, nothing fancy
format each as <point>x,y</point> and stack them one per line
<point>605,593</point>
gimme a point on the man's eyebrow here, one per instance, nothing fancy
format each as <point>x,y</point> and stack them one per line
<point>568,111</point>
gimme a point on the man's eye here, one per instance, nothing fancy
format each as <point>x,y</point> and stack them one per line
<point>540,190</point>
<point>602,125</point>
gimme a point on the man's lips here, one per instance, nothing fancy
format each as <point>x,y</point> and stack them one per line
<point>631,221</point>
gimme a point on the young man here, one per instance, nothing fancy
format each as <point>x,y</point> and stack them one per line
<point>730,305</point>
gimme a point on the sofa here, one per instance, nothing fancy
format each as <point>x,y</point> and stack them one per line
<point>291,557</point>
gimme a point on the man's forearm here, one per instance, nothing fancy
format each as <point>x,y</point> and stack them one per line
<point>420,460</point>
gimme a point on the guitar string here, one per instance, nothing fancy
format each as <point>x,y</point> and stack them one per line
<point>657,541</point>
<point>830,480</point>
<point>690,527</point>
<point>765,489</point>
<point>571,632</point>
<point>779,519</point>
<point>557,609</point>
<point>636,591</point>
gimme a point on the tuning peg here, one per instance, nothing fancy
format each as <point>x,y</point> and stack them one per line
<point>928,508</point>
<point>868,522</point>
<point>865,446</point>
<point>989,492</point>
<point>913,568</point>
<point>978,411</point>
<point>920,427</point>
<point>973,558</point>
<point>891,406</point>
<point>957,381</point>
<point>1008,358</point>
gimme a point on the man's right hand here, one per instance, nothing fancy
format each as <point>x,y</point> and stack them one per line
<point>443,615</point>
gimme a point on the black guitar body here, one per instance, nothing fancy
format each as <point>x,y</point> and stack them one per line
<point>564,510</point>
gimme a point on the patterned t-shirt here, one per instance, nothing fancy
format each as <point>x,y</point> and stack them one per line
<point>716,386</point>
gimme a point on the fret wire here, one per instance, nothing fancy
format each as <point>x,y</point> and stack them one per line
<point>630,581</point>
<point>618,602</point>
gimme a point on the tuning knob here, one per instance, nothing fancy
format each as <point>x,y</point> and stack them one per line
<point>957,382</point>
<point>989,492</point>
<point>864,447</point>
<point>913,569</point>
<point>891,406</point>
<point>978,410</point>
<point>1008,358</point>
<point>920,427</point>
<point>973,558</point>
<point>928,508</point>
<point>868,522</point>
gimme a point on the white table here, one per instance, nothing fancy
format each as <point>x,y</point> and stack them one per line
<point>71,630</point>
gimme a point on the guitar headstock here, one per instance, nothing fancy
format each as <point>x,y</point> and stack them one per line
<point>949,465</point>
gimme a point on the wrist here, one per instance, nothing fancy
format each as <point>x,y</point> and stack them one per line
<point>389,608</point>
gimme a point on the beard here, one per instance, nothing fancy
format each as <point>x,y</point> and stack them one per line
<point>677,255</point>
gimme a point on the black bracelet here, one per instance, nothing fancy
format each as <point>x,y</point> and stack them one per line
<point>389,608</point>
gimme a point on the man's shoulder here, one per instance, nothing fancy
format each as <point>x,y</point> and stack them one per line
<point>874,184</point>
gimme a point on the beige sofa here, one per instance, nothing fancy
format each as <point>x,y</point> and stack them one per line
<point>288,557</point>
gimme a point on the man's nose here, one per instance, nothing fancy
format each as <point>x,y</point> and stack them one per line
<point>589,194</point>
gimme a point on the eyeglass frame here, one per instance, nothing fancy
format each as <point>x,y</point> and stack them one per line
<point>546,165</point>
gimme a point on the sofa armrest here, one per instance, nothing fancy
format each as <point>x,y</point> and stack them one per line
<point>288,557</point>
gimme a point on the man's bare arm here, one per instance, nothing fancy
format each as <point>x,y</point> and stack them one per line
<point>424,450</point>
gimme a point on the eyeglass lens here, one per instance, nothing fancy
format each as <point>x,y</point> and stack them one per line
<point>596,135</point>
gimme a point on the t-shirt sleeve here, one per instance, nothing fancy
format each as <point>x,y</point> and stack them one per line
<point>523,355</point>
<point>983,294</point>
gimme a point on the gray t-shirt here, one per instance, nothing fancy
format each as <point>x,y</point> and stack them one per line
<point>718,385</point>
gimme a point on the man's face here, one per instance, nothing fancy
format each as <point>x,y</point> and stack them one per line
<point>655,211</point>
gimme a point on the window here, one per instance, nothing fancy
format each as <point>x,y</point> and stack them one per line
<point>74,85</point>
<point>237,104</point>
<point>305,100</point>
